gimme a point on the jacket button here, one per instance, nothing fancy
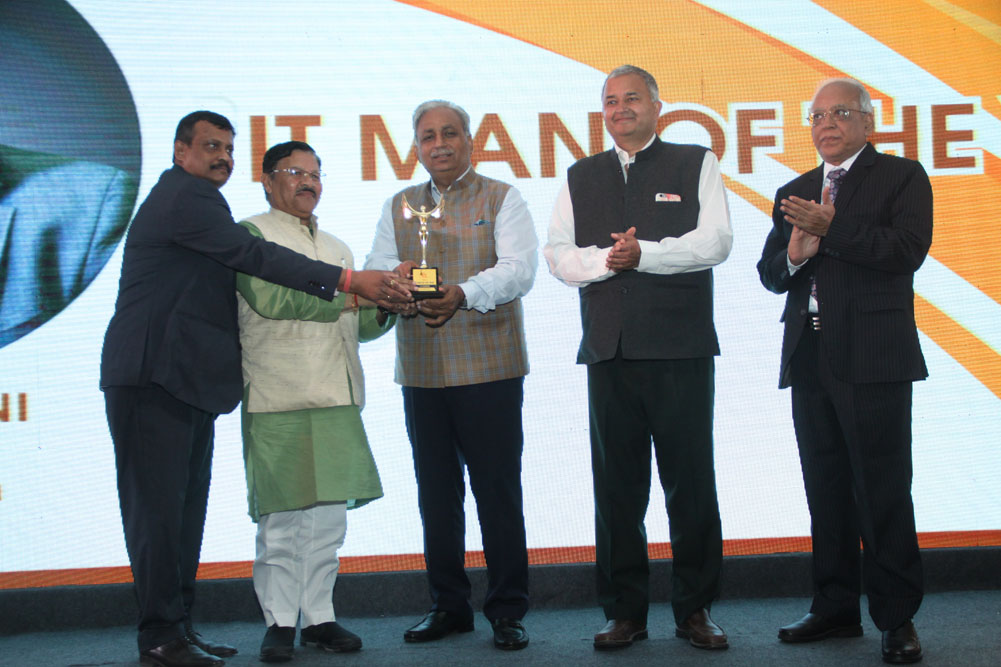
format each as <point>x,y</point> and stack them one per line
<point>624,290</point>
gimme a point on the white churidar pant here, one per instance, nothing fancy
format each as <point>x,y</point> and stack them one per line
<point>297,563</point>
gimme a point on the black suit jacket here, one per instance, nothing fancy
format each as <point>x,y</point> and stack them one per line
<point>175,322</point>
<point>864,269</point>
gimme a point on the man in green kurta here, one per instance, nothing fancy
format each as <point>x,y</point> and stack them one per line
<point>307,457</point>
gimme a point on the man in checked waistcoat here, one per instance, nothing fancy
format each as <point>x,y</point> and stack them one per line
<point>462,360</point>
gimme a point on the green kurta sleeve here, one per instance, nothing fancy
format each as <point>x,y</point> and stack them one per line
<point>368,324</point>
<point>283,303</point>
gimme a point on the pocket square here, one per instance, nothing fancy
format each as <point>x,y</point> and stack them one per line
<point>479,222</point>
<point>664,196</point>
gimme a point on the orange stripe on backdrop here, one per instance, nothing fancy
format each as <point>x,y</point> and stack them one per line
<point>697,55</point>
<point>713,60</point>
<point>974,355</point>
<point>966,218</point>
<point>959,46</point>
<point>404,562</point>
<point>959,43</point>
<point>759,202</point>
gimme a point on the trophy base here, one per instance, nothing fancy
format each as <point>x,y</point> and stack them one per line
<point>426,281</point>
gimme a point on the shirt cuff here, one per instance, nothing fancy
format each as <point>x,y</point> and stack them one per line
<point>793,268</point>
<point>648,255</point>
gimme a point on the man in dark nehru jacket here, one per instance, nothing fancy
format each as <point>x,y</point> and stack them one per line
<point>171,364</point>
<point>637,229</point>
<point>851,353</point>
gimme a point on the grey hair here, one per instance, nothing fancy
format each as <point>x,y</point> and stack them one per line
<point>622,70</point>
<point>864,100</point>
<point>424,107</point>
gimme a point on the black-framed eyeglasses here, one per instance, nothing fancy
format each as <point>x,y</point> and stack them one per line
<point>301,174</point>
<point>817,117</point>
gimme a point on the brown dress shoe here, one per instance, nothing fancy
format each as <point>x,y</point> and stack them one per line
<point>619,634</point>
<point>901,645</point>
<point>701,632</point>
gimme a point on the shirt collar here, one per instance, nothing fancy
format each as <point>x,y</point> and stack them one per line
<point>625,158</point>
<point>846,164</point>
<point>436,193</point>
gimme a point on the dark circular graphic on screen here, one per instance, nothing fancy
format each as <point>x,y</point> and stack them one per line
<point>70,159</point>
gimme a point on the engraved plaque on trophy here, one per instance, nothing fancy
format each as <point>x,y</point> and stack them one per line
<point>425,277</point>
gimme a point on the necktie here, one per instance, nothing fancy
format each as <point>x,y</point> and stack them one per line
<point>836,177</point>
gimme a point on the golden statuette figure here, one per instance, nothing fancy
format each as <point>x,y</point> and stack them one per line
<point>425,277</point>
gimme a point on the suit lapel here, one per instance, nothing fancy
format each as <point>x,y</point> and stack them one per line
<point>812,184</point>
<point>858,172</point>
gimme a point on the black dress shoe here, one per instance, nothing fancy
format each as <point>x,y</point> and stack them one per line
<point>207,645</point>
<point>330,636</point>
<point>278,644</point>
<point>178,653</point>
<point>436,625</point>
<point>813,627</point>
<point>901,645</point>
<point>619,633</point>
<point>702,632</point>
<point>509,634</point>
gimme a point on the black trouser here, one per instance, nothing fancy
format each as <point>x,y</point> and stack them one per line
<point>163,453</point>
<point>855,449</point>
<point>477,426</point>
<point>670,401</point>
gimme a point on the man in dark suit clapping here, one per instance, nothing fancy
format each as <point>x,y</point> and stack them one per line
<point>171,364</point>
<point>850,353</point>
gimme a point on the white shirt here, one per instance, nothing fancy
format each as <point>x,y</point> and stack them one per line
<point>515,245</point>
<point>705,246</point>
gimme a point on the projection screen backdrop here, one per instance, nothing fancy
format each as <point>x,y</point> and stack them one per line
<point>105,83</point>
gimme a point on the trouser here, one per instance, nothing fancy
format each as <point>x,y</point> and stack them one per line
<point>296,564</point>
<point>163,456</point>
<point>478,427</point>
<point>855,450</point>
<point>670,401</point>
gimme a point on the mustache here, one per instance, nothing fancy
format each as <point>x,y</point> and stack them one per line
<point>222,164</point>
<point>306,188</point>
<point>440,152</point>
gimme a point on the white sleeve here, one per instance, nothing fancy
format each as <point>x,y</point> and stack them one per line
<point>705,246</point>
<point>517,247</point>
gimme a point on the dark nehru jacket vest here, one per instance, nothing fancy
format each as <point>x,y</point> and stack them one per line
<point>652,316</point>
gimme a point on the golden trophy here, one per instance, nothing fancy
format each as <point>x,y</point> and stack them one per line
<point>425,278</point>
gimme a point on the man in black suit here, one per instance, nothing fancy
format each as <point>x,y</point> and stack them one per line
<point>171,364</point>
<point>850,353</point>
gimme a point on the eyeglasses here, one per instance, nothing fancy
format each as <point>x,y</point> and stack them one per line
<point>301,174</point>
<point>817,117</point>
